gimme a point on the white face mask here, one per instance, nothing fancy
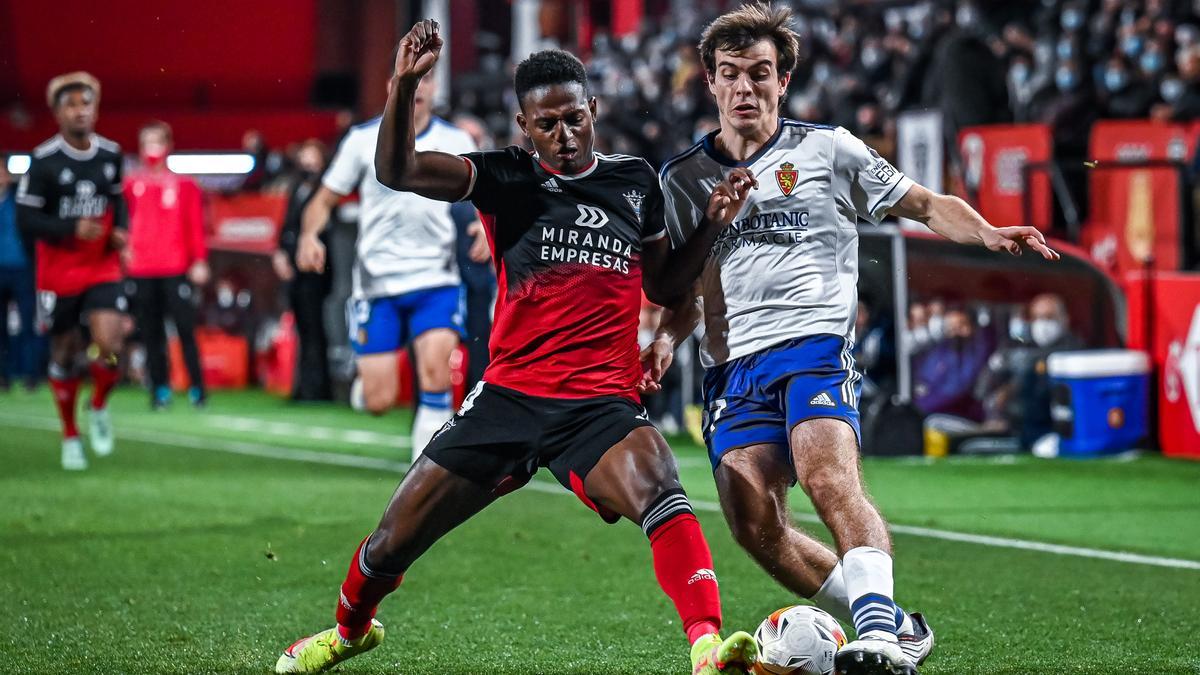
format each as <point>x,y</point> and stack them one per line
<point>937,326</point>
<point>1045,332</point>
<point>919,337</point>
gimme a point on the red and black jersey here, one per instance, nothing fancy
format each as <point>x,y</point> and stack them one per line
<point>567,250</point>
<point>62,185</point>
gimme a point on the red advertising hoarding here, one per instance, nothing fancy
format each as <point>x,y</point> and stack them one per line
<point>247,223</point>
<point>1173,340</point>
<point>1134,213</point>
<point>994,157</point>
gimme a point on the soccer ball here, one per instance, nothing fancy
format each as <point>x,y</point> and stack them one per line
<point>798,640</point>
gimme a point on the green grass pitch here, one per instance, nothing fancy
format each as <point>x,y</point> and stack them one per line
<point>203,546</point>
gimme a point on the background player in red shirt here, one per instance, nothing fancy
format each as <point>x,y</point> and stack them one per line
<point>70,201</point>
<point>166,259</point>
<point>569,229</point>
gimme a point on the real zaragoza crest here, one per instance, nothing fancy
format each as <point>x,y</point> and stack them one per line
<point>786,177</point>
<point>635,200</point>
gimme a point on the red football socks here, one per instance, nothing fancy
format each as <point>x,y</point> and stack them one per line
<point>104,378</point>
<point>684,567</point>
<point>362,591</point>
<point>65,392</point>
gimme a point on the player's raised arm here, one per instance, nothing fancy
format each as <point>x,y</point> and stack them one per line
<point>955,220</point>
<point>398,165</point>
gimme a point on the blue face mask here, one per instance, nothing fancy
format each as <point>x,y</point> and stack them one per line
<point>1171,90</point>
<point>1066,79</point>
<point>1019,73</point>
<point>1071,19</point>
<point>1131,46</point>
<point>1064,49</point>
<point>1115,79</point>
<point>1152,62</point>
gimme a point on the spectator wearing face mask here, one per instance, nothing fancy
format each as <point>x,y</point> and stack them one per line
<point>1125,95</point>
<point>1181,93</point>
<point>946,374</point>
<point>1016,387</point>
<point>1068,106</point>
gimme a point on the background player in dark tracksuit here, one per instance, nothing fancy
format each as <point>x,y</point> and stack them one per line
<point>574,236</point>
<point>70,201</point>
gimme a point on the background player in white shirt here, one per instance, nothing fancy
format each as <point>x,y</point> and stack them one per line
<point>406,284</point>
<point>779,299</point>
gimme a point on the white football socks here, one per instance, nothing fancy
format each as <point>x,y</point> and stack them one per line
<point>867,572</point>
<point>832,598</point>
<point>432,412</point>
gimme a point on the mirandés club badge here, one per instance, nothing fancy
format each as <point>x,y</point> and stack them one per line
<point>786,177</point>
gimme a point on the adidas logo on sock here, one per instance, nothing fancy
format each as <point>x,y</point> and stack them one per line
<point>703,575</point>
<point>552,186</point>
<point>824,399</point>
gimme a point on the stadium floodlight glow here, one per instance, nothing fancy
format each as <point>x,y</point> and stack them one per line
<point>211,164</point>
<point>18,164</point>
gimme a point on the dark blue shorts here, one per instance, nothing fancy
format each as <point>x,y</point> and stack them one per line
<point>758,398</point>
<point>382,325</point>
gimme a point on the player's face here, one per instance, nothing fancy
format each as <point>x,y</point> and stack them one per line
<point>559,121</point>
<point>748,87</point>
<point>76,112</point>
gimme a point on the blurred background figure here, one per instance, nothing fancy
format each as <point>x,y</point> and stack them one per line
<point>1015,388</point>
<point>18,343</point>
<point>945,375</point>
<point>874,349</point>
<point>307,291</point>
<point>166,261</point>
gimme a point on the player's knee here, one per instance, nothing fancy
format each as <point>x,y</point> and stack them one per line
<point>828,487</point>
<point>671,504</point>
<point>379,399</point>
<point>758,529</point>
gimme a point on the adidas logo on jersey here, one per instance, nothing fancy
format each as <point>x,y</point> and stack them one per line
<point>824,399</point>
<point>552,186</point>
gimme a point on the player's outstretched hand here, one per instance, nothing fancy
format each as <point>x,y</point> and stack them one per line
<point>419,50</point>
<point>656,359</point>
<point>310,254</point>
<point>1016,239</point>
<point>729,195</point>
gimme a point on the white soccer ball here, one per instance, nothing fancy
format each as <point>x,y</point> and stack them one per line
<point>798,640</point>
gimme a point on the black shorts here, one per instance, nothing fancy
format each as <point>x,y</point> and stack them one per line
<point>62,314</point>
<point>501,437</point>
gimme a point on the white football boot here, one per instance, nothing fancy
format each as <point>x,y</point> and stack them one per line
<point>872,656</point>
<point>100,432</point>
<point>73,458</point>
<point>919,643</point>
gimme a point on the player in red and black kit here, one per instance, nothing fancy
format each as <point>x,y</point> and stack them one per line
<point>575,236</point>
<point>70,201</point>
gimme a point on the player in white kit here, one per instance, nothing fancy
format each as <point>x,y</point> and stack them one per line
<point>779,293</point>
<point>406,284</point>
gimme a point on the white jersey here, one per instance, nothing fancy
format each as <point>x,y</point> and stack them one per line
<point>787,266</point>
<point>405,241</point>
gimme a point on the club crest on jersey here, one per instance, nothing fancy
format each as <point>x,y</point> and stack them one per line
<point>786,176</point>
<point>110,170</point>
<point>66,176</point>
<point>635,200</point>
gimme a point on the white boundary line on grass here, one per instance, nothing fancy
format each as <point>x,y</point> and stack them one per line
<point>360,462</point>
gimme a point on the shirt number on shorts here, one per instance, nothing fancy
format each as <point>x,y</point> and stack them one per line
<point>713,414</point>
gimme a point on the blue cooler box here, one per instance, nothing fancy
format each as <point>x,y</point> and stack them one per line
<point>1100,400</point>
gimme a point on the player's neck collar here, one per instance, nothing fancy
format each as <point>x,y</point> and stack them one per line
<point>74,152</point>
<point>710,147</point>
<point>587,171</point>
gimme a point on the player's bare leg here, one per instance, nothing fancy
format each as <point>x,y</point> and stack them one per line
<point>828,468</point>
<point>64,381</point>
<point>429,502</point>
<point>753,484</point>
<point>107,339</point>
<point>638,479</point>
<point>433,350</point>
<point>380,381</point>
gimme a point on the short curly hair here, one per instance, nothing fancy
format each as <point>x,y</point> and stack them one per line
<point>741,28</point>
<point>548,68</point>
